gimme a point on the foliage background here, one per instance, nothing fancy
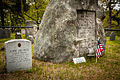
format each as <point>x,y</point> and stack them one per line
<point>16,12</point>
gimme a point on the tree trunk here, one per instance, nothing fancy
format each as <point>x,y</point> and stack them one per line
<point>110,16</point>
<point>2,13</point>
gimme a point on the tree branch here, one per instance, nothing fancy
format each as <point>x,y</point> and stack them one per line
<point>29,16</point>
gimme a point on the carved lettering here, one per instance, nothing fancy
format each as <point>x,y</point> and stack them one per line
<point>18,57</point>
<point>86,28</point>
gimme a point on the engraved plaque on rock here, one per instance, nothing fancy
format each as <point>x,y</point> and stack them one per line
<point>18,55</point>
<point>86,29</point>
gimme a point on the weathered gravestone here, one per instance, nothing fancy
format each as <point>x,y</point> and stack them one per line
<point>30,31</point>
<point>107,34</point>
<point>18,55</point>
<point>18,36</point>
<point>4,33</point>
<point>69,29</point>
<point>112,36</point>
<point>30,37</point>
<point>23,31</point>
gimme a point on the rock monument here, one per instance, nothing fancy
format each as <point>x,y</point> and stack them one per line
<point>69,29</point>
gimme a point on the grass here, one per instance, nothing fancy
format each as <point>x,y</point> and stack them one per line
<point>107,68</point>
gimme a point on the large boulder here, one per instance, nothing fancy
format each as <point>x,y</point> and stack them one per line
<point>69,28</point>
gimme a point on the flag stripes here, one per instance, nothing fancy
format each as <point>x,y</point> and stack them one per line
<point>99,50</point>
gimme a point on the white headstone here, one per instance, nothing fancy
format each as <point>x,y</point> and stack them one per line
<point>23,31</point>
<point>79,60</point>
<point>18,55</point>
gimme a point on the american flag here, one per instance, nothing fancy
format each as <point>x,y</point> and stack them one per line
<point>99,49</point>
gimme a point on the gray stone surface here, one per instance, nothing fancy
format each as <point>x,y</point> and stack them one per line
<point>22,31</point>
<point>112,36</point>
<point>30,31</point>
<point>18,36</point>
<point>4,33</point>
<point>69,28</point>
<point>18,55</point>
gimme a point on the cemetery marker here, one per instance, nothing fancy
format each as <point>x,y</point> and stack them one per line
<point>18,55</point>
<point>79,60</point>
